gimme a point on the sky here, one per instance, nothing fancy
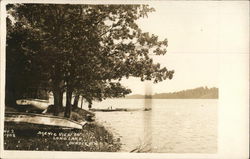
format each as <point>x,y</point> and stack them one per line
<point>198,34</point>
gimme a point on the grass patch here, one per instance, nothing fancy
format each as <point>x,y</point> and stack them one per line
<point>93,138</point>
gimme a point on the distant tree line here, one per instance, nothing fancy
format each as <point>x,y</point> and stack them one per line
<point>197,93</point>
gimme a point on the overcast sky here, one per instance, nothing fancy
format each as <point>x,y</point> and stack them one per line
<point>198,33</point>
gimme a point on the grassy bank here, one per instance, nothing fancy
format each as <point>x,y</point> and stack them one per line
<point>93,137</point>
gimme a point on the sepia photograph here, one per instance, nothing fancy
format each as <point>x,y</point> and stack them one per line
<point>142,78</point>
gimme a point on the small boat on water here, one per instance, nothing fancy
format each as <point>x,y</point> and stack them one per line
<point>120,109</point>
<point>147,109</point>
<point>109,110</point>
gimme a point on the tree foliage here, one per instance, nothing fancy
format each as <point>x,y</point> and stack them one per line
<point>87,49</point>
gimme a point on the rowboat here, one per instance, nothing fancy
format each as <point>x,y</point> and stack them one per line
<point>41,119</point>
<point>36,103</point>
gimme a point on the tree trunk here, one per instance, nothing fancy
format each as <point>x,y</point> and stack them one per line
<point>60,104</point>
<point>67,112</point>
<point>58,85</point>
<point>56,95</point>
<point>81,101</point>
<point>76,100</point>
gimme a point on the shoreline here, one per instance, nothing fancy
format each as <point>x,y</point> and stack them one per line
<point>39,136</point>
<point>93,138</point>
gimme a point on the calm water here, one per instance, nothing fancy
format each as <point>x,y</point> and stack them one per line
<point>172,126</point>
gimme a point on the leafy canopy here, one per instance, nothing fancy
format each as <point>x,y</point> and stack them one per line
<point>89,48</point>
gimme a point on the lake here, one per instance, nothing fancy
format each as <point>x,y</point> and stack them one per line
<point>172,126</point>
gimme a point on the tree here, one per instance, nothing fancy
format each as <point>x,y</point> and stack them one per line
<point>90,48</point>
<point>23,78</point>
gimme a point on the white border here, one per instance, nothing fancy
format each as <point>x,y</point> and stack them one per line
<point>233,137</point>
<point>2,72</point>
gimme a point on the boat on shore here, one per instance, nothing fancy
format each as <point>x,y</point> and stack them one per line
<point>19,117</point>
<point>36,103</point>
